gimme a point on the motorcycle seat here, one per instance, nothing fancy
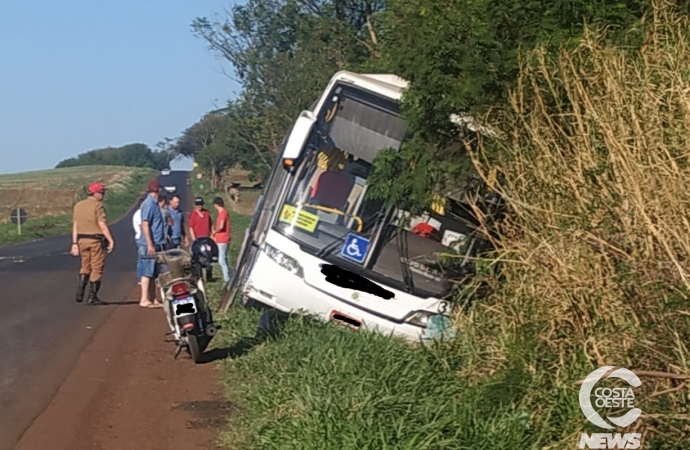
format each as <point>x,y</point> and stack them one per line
<point>166,281</point>
<point>178,265</point>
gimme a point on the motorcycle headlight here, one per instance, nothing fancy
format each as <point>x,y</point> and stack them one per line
<point>419,318</point>
<point>286,262</point>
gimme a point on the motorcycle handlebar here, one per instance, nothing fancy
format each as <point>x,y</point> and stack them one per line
<point>158,256</point>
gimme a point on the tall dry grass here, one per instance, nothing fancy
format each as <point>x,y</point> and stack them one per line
<point>596,172</point>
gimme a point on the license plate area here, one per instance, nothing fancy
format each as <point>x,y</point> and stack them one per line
<point>343,319</point>
<point>184,306</point>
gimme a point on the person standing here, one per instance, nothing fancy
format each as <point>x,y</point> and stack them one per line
<point>221,235</point>
<point>178,234</point>
<point>151,241</point>
<point>91,238</point>
<point>200,226</point>
<point>136,224</point>
<point>167,219</point>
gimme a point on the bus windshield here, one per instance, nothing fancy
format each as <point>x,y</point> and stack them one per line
<point>326,202</point>
<point>327,195</point>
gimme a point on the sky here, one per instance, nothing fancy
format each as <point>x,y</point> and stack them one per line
<point>77,75</point>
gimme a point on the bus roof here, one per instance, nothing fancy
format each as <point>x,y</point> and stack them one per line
<point>393,86</point>
<point>389,85</point>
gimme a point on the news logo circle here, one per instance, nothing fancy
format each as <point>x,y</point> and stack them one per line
<point>618,398</point>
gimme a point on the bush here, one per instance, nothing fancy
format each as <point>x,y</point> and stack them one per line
<point>595,256</point>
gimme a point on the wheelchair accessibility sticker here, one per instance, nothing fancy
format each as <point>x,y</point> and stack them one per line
<point>355,248</point>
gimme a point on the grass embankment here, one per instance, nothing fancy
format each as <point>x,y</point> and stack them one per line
<point>595,256</point>
<point>49,195</point>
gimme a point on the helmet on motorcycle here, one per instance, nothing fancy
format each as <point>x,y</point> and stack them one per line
<point>205,251</point>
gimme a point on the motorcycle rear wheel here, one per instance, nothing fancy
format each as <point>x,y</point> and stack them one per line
<point>167,309</point>
<point>194,347</point>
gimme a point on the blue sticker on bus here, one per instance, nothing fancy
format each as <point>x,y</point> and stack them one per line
<point>355,248</point>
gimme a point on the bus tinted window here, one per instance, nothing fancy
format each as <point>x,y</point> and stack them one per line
<point>364,125</point>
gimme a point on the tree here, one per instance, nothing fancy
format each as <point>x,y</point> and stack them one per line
<point>201,134</point>
<point>285,51</point>
<point>132,155</point>
<point>236,130</point>
<point>216,159</point>
<point>166,152</point>
<point>249,137</point>
<point>462,55</point>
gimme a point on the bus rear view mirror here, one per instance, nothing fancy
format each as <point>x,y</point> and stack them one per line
<point>298,138</point>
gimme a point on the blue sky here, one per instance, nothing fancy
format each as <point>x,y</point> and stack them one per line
<point>76,75</point>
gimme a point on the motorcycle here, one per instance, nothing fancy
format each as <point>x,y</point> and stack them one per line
<point>185,303</point>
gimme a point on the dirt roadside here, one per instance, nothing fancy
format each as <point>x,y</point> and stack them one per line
<point>126,391</point>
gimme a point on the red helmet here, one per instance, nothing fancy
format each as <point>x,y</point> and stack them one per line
<point>96,188</point>
<point>154,186</point>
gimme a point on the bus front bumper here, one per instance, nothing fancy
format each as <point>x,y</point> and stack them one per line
<point>276,287</point>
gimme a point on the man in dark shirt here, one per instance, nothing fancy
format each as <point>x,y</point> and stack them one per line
<point>167,219</point>
<point>178,234</point>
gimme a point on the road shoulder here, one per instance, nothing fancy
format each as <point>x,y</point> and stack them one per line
<point>127,391</point>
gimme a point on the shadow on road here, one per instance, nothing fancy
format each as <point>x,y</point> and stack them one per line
<point>131,302</point>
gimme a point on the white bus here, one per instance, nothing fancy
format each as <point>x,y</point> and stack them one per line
<point>313,212</point>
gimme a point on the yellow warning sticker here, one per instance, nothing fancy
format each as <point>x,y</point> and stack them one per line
<point>305,220</point>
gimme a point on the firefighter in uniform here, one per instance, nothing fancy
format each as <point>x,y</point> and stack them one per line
<point>91,239</point>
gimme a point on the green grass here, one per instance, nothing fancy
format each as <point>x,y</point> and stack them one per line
<point>319,386</point>
<point>124,184</point>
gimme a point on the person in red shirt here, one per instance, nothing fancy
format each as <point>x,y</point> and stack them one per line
<point>221,235</point>
<point>200,226</point>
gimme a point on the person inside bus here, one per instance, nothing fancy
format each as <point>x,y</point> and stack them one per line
<point>332,190</point>
<point>332,187</point>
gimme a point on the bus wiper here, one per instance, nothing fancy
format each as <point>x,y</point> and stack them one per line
<point>328,248</point>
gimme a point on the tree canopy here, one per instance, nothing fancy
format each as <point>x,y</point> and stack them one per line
<point>131,155</point>
<point>459,56</point>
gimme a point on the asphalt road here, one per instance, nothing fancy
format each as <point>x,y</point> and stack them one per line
<point>42,329</point>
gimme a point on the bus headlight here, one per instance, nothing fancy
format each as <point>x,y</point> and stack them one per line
<point>419,318</point>
<point>286,262</point>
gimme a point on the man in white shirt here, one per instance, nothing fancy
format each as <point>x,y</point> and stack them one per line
<point>136,223</point>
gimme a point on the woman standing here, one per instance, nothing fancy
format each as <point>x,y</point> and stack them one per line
<point>221,235</point>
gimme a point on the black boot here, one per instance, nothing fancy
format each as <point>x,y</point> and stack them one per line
<point>83,281</point>
<point>93,293</point>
